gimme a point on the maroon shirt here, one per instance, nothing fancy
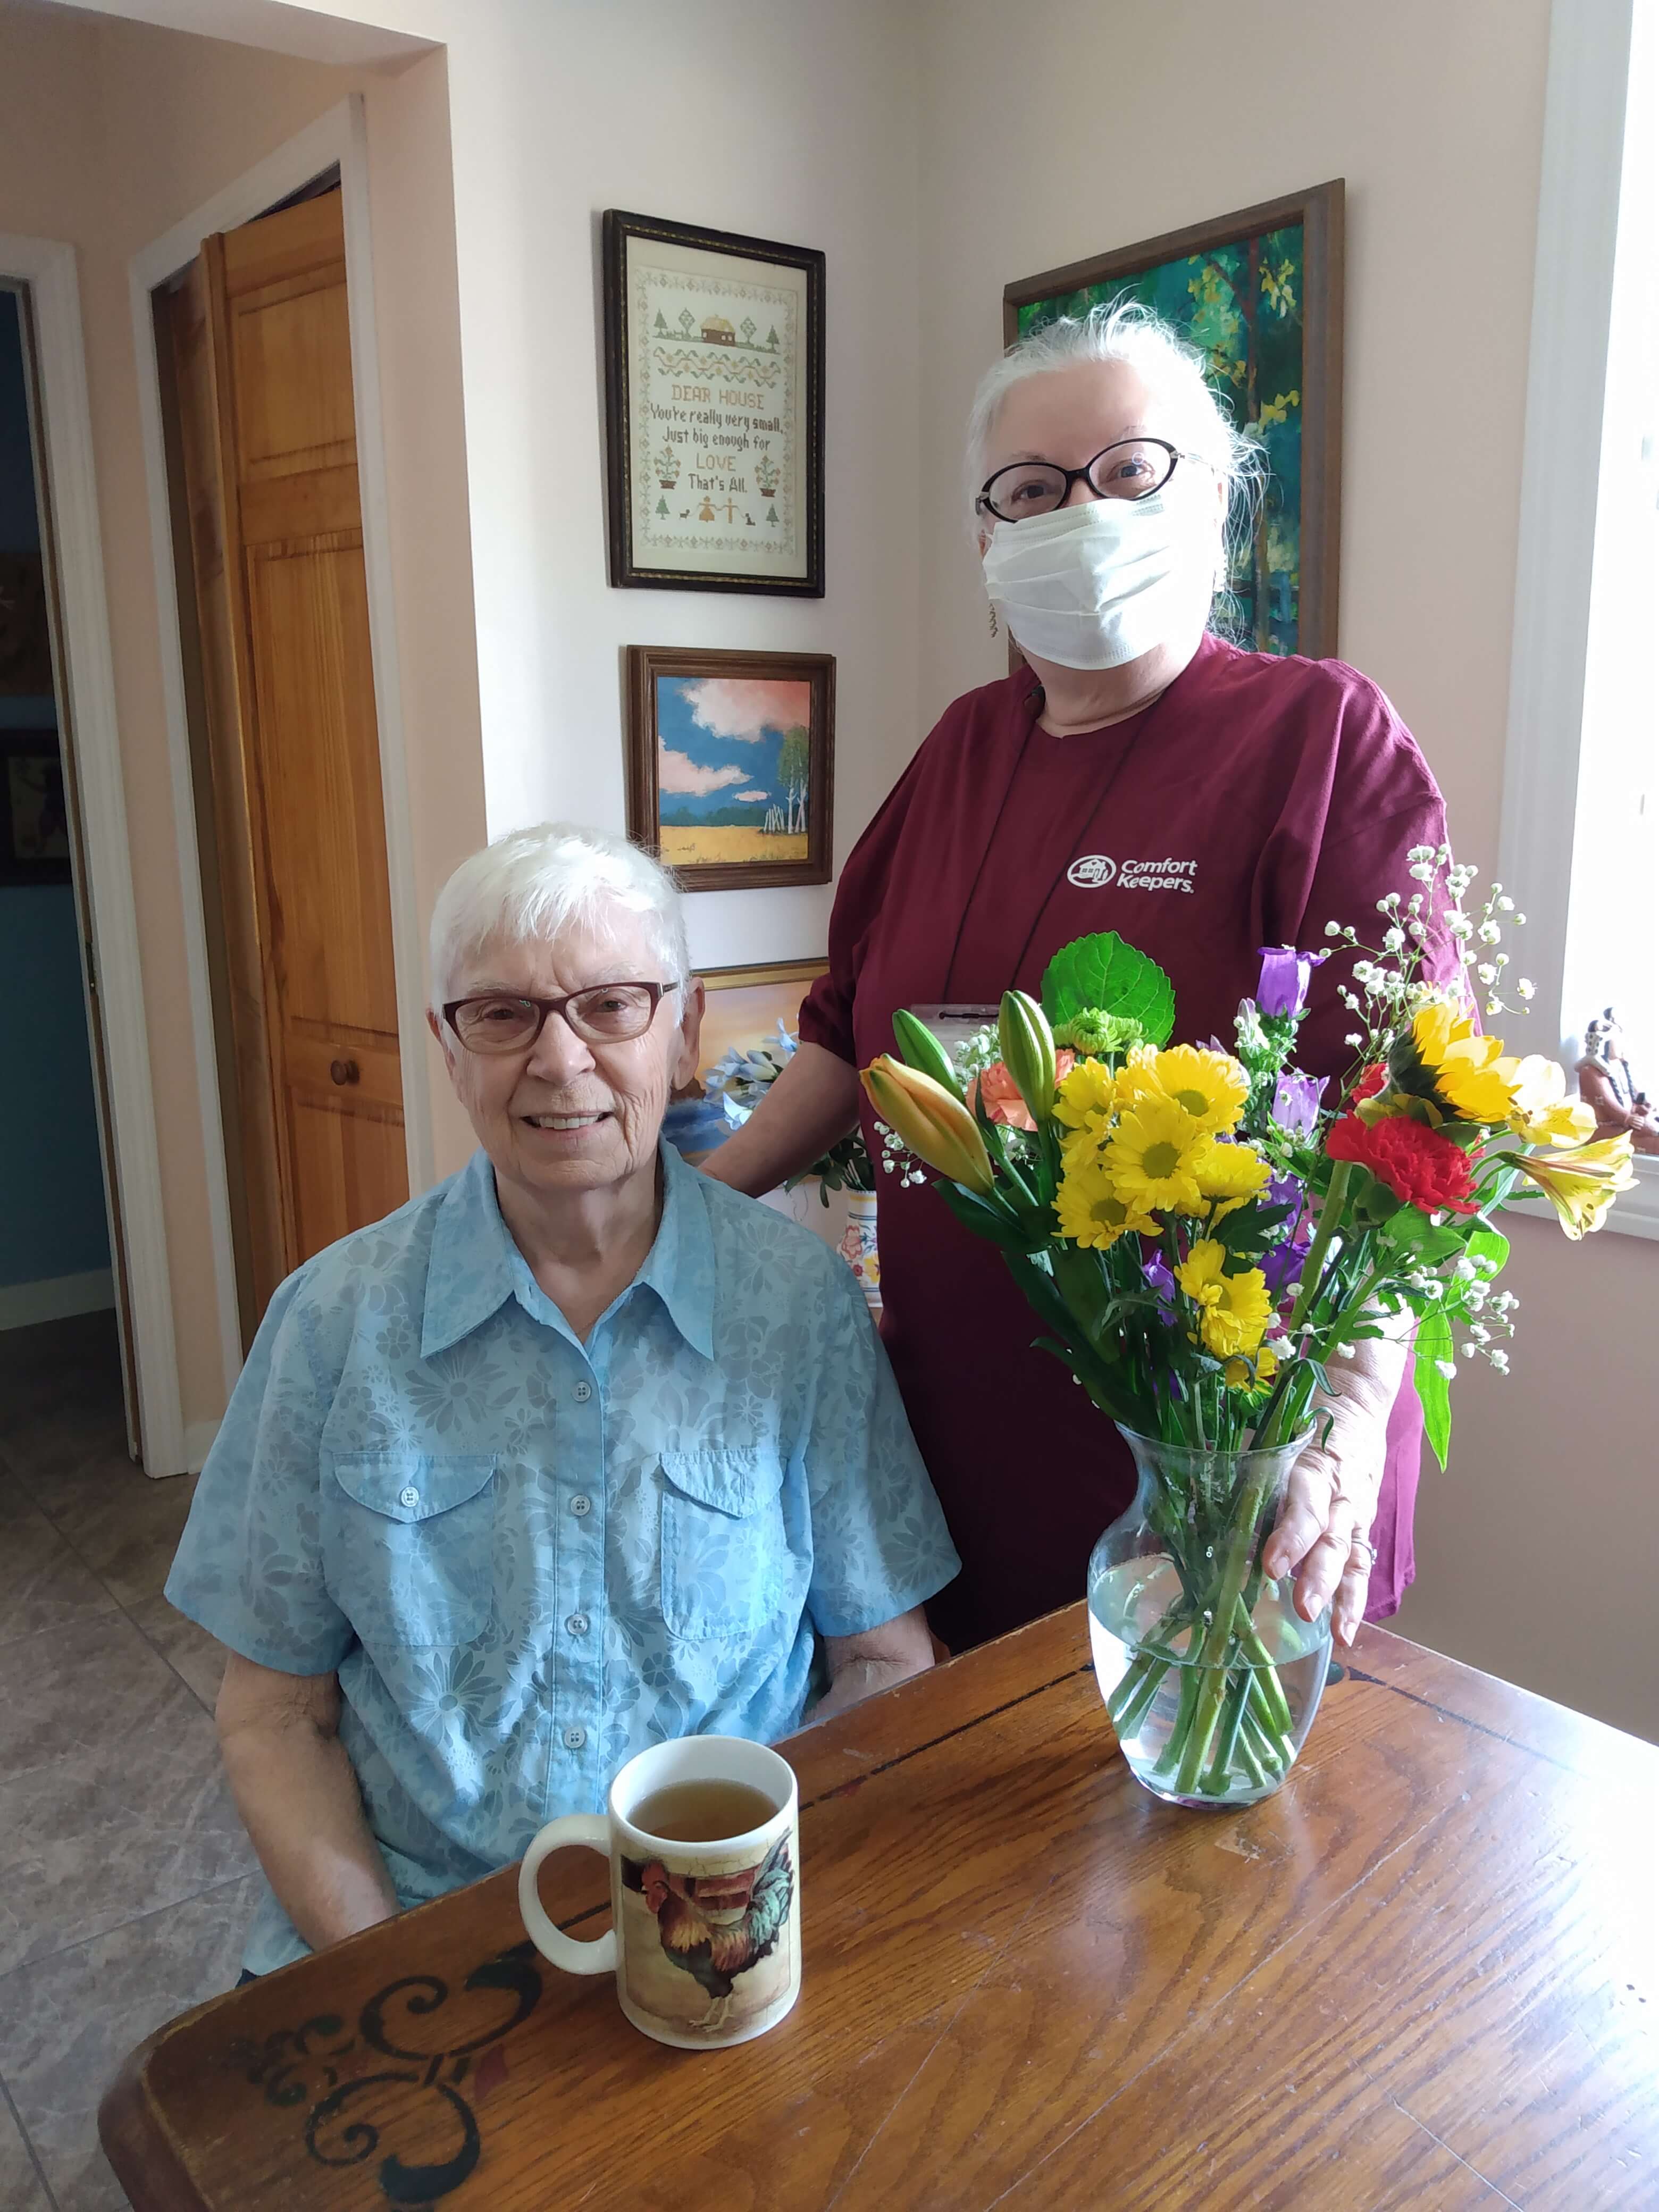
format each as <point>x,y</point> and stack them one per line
<point>1256,801</point>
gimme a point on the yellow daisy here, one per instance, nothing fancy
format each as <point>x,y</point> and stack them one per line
<point>1471,1078</point>
<point>1084,1094</point>
<point>1254,1378</point>
<point>1541,1113</point>
<point>1138,1077</point>
<point>1234,1309</point>
<point>1210,1086</point>
<point>1090,1212</point>
<point>1230,1175</point>
<point>1152,1157</point>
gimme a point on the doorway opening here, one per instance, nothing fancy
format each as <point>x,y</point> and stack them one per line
<point>65,1319</point>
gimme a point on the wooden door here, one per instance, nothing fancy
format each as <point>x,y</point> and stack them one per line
<point>266,459</point>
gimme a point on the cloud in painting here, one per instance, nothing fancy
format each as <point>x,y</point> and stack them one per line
<point>679,772</point>
<point>759,798</point>
<point>748,706</point>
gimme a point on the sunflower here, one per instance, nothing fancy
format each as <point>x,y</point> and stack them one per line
<point>1230,1175</point>
<point>1084,1094</point>
<point>1541,1113</point>
<point>1152,1157</point>
<point>1090,1212</point>
<point>1465,1075</point>
<point>1234,1311</point>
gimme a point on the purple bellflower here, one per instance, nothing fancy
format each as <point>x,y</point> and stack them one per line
<point>1283,1265</point>
<point>1295,1101</point>
<point>1159,1278</point>
<point>1286,975</point>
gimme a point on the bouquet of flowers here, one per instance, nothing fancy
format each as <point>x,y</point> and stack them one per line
<point>1200,1233</point>
<point>740,1079</point>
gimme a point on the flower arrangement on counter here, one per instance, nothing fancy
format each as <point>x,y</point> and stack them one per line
<point>1200,1233</point>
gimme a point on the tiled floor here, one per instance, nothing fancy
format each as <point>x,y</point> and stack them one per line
<point>124,1874</point>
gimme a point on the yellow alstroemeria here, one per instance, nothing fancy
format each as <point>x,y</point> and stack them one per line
<point>937,1127</point>
<point>1541,1112</point>
<point>1582,1185</point>
<point>1090,1212</point>
<point>1229,1177</point>
<point>1151,1157</point>
<point>1234,1309</point>
<point>1471,1078</point>
<point>1086,1095</point>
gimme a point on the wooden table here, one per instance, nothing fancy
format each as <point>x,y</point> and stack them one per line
<point>1423,1974</point>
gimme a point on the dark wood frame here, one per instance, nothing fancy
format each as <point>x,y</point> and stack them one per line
<point>33,742</point>
<point>1320,211</point>
<point>646,663</point>
<point>618,228</point>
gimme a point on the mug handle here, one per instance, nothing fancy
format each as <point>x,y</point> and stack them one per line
<point>576,1956</point>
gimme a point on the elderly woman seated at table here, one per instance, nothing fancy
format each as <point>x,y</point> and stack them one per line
<point>577,1451</point>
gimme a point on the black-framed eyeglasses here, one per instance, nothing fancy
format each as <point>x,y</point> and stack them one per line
<point>1133,468</point>
<point>604,1013</point>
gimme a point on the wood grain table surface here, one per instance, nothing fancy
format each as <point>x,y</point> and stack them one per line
<point>1423,1975</point>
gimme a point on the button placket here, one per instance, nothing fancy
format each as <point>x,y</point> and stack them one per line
<point>573,1650</point>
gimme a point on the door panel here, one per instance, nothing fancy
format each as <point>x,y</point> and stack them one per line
<point>290,700</point>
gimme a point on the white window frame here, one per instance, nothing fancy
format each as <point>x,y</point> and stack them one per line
<point>1584,438</point>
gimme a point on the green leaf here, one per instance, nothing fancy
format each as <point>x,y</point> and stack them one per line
<point>985,1219</point>
<point>1411,1230</point>
<point>1490,1244</point>
<point>1104,975</point>
<point>1434,1342</point>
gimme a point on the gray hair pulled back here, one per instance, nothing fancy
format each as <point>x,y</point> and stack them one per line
<point>1123,330</point>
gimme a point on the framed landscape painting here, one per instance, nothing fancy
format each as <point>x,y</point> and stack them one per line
<point>730,764</point>
<point>1260,294</point>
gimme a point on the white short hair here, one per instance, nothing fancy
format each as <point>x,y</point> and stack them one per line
<point>535,883</point>
<point>1126,331</point>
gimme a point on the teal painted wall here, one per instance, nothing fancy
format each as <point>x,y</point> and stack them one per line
<point>51,1186</point>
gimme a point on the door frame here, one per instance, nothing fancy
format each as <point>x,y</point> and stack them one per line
<point>339,139</point>
<point>48,268</point>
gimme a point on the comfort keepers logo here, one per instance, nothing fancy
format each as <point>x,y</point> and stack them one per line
<point>1093,871</point>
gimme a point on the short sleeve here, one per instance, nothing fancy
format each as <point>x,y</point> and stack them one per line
<point>826,1013</point>
<point>1384,802</point>
<point>879,1542</point>
<point>249,1567</point>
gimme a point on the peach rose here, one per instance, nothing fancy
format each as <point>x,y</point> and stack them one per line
<point>1003,1102</point>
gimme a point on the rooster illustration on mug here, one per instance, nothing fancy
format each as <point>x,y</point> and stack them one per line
<point>717,1926</point>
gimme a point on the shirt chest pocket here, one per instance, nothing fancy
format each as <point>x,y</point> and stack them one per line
<point>726,1561</point>
<point>409,1538</point>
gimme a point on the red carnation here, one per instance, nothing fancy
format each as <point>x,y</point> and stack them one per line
<point>1371,1081</point>
<point>1417,1163</point>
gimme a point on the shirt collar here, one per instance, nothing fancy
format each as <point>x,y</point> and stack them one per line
<point>475,1267</point>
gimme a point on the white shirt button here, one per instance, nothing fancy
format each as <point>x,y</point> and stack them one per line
<point>577,1624</point>
<point>409,1496</point>
<point>582,1393</point>
<point>581,1506</point>
<point>574,1738</point>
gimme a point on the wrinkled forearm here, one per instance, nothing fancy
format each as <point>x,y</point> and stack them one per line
<point>298,1800</point>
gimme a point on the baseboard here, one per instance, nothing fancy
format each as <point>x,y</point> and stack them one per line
<point>23,1304</point>
<point>199,1442</point>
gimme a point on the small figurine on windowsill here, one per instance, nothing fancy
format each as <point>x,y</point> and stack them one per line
<point>1605,1086</point>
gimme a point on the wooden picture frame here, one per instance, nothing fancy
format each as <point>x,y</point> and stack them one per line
<point>34,830</point>
<point>1289,272</point>
<point>735,733</point>
<point>713,420</point>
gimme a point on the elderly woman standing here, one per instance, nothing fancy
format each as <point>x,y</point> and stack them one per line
<point>1140,775</point>
<point>574,1453</point>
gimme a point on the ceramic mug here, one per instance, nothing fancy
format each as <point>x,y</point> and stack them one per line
<point>705,1936</point>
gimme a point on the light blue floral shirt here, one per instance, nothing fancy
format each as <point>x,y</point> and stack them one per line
<point>527,1557</point>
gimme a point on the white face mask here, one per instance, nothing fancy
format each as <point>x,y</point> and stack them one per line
<point>1094,586</point>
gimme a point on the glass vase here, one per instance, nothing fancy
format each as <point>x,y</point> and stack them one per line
<point>1210,1676</point>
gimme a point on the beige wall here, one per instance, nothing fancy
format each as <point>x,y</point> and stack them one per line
<point>110,133</point>
<point>1536,1548</point>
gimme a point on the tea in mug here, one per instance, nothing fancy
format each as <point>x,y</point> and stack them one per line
<point>703,1812</point>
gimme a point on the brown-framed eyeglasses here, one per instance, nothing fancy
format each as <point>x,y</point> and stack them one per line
<point>604,1013</point>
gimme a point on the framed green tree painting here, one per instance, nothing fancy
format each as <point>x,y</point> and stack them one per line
<point>1259,294</point>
